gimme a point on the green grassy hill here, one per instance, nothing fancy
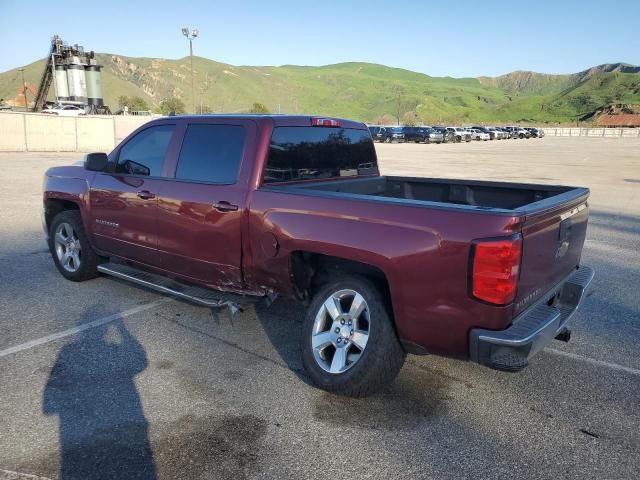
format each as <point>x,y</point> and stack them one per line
<point>362,91</point>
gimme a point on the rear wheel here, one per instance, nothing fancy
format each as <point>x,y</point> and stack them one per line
<point>349,345</point>
<point>70,248</point>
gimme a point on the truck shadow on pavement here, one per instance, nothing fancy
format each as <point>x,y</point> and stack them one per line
<point>418,393</point>
<point>282,322</point>
<point>103,432</point>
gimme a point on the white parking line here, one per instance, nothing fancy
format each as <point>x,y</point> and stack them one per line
<point>11,475</point>
<point>593,361</point>
<point>83,327</point>
<point>147,306</point>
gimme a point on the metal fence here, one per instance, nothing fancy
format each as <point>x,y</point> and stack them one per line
<point>593,132</point>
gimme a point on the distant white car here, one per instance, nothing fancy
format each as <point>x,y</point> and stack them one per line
<point>478,135</point>
<point>459,134</point>
<point>498,134</point>
<point>65,111</point>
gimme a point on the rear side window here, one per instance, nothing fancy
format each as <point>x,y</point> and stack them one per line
<point>144,154</point>
<point>307,153</point>
<point>211,153</point>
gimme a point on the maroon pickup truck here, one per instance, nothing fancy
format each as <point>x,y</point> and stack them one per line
<point>227,210</point>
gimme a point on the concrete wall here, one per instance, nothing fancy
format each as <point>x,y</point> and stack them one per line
<point>49,133</point>
<point>593,132</point>
<point>36,132</point>
<point>12,137</point>
<point>95,134</point>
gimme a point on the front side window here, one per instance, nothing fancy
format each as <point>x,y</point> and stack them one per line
<point>306,153</point>
<point>211,153</point>
<point>144,154</point>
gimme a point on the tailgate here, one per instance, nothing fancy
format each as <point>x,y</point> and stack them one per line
<point>552,242</point>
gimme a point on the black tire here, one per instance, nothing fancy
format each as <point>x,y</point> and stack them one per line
<point>383,356</point>
<point>89,260</point>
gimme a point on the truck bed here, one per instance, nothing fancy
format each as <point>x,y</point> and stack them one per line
<point>497,197</point>
<point>551,219</point>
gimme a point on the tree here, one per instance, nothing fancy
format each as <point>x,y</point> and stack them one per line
<point>401,103</point>
<point>398,102</point>
<point>172,104</point>
<point>259,108</point>
<point>134,103</point>
<point>409,119</point>
<point>385,119</point>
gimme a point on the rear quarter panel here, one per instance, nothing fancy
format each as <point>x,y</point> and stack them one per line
<point>424,253</point>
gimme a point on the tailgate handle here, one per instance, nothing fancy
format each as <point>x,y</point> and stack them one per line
<point>566,226</point>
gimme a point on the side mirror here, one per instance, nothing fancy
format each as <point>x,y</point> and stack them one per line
<point>96,162</point>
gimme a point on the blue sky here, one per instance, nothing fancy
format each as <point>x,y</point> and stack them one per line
<point>456,38</point>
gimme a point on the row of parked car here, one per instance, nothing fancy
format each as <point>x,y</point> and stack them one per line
<point>437,134</point>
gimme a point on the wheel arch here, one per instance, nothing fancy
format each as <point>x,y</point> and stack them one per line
<point>53,206</point>
<point>309,270</point>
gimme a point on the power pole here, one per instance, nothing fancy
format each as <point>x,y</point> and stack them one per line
<point>191,36</point>
<point>24,90</point>
<point>193,91</point>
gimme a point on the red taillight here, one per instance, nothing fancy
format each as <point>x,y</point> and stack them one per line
<point>325,122</point>
<point>496,265</point>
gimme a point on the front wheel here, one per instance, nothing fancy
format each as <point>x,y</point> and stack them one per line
<point>70,248</point>
<point>349,345</point>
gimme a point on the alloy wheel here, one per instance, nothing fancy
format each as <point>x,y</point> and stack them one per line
<point>340,331</point>
<point>67,246</point>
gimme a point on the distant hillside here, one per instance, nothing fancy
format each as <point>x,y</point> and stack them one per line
<point>525,82</point>
<point>364,91</point>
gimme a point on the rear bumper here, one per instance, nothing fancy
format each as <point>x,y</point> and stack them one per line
<point>511,349</point>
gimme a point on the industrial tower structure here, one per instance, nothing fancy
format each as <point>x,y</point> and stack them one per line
<point>76,77</point>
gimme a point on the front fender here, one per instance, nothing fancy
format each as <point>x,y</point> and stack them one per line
<point>67,189</point>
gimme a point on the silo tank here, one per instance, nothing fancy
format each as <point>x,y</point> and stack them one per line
<point>94,85</point>
<point>62,89</point>
<point>76,81</point>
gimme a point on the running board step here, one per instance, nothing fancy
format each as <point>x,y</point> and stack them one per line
<point>160,283</point>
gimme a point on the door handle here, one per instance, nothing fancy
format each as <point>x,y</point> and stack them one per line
<point>146,194</point>
<point>223,206</point>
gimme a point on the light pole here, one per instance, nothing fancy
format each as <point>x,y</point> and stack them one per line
<point>191,36</point>
<point>24,90</point>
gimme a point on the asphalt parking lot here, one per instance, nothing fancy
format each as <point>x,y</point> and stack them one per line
<point>106,380</point>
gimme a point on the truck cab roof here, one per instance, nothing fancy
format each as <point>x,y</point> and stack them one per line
<point>277,119</point>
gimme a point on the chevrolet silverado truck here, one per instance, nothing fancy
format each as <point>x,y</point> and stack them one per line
<point>230,210</point>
